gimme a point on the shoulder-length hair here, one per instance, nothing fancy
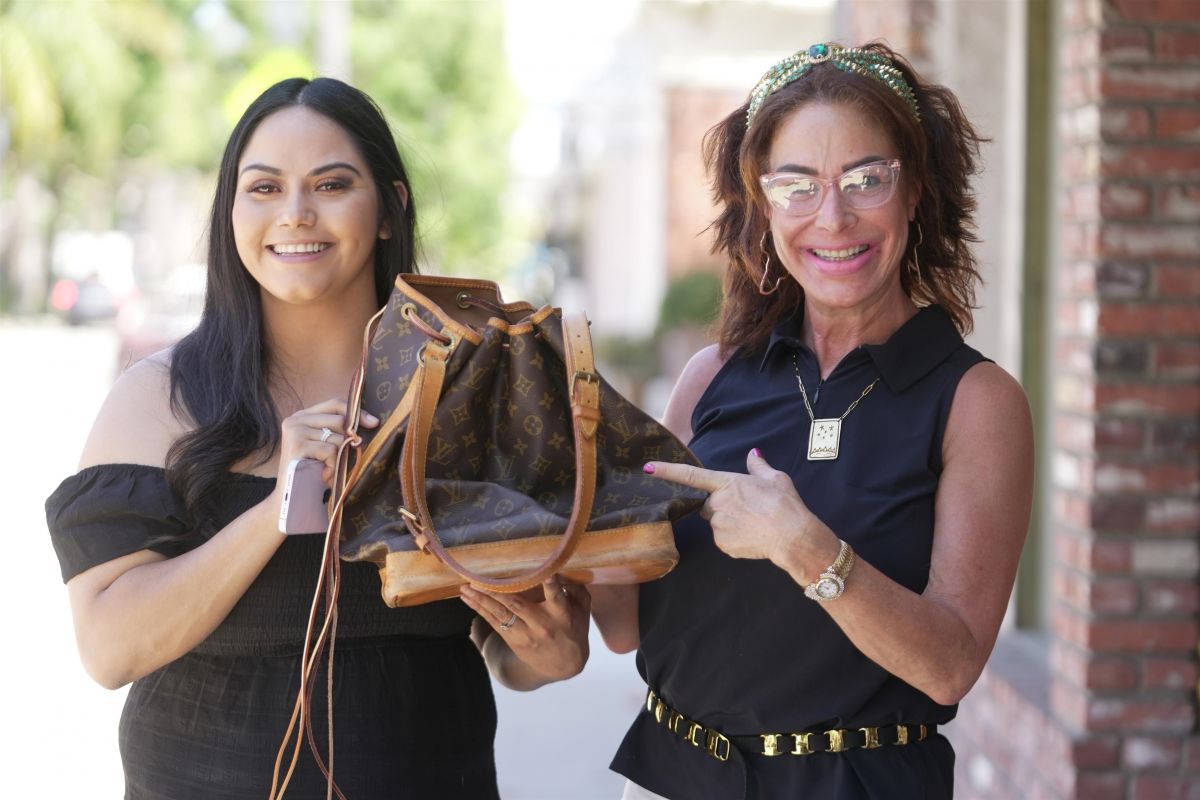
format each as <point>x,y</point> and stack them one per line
<point>220,371</point>
<point>939,154</point>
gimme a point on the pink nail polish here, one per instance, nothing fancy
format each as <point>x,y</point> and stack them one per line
<point>757,453</point>
<point>648,469</point>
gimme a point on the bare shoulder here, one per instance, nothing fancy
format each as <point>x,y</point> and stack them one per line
<point>136,424</point>
<point>990,410</point>
<point>695,378</point>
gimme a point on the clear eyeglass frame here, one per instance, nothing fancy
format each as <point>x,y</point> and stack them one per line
<point>799,195</point>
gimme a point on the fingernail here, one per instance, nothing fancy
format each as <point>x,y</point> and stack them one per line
<point>756,453</point>
<point>648,469</point>
<point>370,417</point>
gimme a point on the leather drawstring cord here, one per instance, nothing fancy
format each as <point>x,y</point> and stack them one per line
<point>329,582</point>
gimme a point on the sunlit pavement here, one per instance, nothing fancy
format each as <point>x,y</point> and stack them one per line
<point>59,731</point>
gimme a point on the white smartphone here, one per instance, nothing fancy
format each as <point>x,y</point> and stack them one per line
<point>305,495</point>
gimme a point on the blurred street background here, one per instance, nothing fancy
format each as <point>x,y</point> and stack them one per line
<point>555,147</point>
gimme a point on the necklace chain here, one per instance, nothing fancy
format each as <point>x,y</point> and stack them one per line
<point>804,394</point>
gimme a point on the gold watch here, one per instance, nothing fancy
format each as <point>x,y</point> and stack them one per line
<point>830,584</point>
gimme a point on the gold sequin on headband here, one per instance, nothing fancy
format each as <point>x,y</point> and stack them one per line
<point>849,59</point>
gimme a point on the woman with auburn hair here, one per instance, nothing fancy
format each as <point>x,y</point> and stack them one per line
<point>870,474</point>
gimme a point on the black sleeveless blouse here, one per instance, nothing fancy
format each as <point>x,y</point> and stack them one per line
<point>735,644</point>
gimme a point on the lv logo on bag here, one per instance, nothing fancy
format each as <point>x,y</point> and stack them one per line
<point>510,457</point>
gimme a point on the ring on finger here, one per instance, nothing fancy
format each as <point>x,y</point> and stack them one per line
<point>504,626</point>
<point>325,434</point>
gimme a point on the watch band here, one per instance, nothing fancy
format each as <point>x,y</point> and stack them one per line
<point>830,584</point>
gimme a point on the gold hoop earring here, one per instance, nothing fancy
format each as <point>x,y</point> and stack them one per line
<point>762,283</point>
<point>915,282</point>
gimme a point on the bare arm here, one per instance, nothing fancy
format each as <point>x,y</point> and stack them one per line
<point>937,641</point>
<point>614,607</point>
<point>138,612</point>
<point>940,640</point>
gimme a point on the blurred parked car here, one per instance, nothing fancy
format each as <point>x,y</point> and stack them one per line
<point>83,301</point>
<point>154,319</point>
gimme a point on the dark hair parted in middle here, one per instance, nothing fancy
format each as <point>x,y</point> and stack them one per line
<point>938,153</point>
<point>220,372</point>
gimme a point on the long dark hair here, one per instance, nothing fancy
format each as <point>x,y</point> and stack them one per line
<point>939,155</point>
<point>220,371</point>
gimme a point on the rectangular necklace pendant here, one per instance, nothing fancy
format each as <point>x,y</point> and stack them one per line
<point>823,439</point>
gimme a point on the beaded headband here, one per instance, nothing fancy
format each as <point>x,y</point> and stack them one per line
<point>849,59</point>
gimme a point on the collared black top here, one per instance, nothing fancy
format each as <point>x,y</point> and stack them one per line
<point>734,644</point>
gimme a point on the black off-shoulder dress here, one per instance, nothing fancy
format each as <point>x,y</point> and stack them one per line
<point>414,715</point>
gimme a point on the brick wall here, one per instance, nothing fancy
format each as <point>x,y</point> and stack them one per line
<point>1104,704</point>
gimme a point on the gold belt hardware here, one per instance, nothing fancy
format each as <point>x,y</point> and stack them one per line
<point>713,742</point>
<point>837,740</point>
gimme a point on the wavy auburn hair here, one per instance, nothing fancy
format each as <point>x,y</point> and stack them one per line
<point>939,156</point>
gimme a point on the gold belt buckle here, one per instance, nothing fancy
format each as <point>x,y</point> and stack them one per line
<point>770,744</point>
<point>713,744</point>
<point>872,738</point>
<point>837,740</point>
<point>802,746</point>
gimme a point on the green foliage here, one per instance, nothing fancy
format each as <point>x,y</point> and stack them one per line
<point>691,300</point>
<point>437,70</point>
<point>634,356</point>
<point>92,93</point>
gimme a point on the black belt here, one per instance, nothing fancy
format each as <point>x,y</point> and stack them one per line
<point>836,740</point>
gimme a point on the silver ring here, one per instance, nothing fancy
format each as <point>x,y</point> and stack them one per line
<point>511,621</point>
<point>325,434</point>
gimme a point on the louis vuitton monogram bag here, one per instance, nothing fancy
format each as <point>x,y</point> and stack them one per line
<point>501,456</point>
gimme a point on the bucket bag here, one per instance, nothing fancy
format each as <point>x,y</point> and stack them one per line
<point>501,456</point>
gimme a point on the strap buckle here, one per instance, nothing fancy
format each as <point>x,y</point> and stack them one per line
<point>585,376</point>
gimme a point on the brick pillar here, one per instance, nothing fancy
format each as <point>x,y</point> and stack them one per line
<point>1126,513</point>
<point>1104,705</point>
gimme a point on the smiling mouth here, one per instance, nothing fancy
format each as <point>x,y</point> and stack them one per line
<point>296,249</point>
<point>840,255</point>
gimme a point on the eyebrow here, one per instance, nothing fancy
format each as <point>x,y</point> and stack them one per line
<point>845,167</point>
<point>318,171</point>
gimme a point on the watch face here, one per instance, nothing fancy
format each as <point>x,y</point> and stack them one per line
<point>829,587</point>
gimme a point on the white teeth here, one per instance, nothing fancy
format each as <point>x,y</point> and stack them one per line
<point>292,249</point>
<point>840,255</point>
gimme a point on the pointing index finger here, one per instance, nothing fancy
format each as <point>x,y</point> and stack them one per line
<point>708,480</point>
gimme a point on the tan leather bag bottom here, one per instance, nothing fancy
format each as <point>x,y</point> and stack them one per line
<point>634,554</point>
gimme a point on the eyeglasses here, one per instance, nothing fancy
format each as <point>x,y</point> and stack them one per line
<point>868,186</point>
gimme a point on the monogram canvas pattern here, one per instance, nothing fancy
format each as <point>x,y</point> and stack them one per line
<point>501,456</point>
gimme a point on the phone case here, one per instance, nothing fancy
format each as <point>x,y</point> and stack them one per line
<point>303,509</point>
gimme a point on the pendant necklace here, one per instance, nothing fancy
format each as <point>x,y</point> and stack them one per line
<point>825,434</point>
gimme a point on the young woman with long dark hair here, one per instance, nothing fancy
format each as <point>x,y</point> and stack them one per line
<point>179,579</point>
